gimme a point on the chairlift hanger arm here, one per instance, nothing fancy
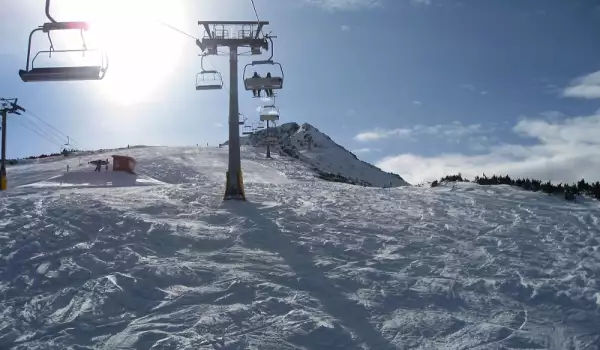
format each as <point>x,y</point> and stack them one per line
<point>54,24</point>
<point>29,47</point>
<point>48,12</point>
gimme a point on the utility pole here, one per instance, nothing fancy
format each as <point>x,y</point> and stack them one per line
<point>233,34</point>
<point>7,105</point>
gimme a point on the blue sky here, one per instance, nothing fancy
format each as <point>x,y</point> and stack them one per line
<point>418,87</point>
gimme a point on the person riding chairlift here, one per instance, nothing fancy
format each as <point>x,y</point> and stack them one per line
<point>256,92</point>
<point>269,92</point>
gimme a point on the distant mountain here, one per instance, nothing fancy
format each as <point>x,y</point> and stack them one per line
<point>326,158</point>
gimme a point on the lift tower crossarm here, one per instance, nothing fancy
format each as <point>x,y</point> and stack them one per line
<point>206,25</point>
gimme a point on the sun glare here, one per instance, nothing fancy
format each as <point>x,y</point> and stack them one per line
<point>142,53</point>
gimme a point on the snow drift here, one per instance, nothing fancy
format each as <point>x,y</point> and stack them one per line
<point>304,264</point>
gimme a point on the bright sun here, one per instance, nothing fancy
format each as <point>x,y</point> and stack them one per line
<point>142,53</point>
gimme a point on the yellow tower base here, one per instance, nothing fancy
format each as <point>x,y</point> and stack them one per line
<point>240,182</point>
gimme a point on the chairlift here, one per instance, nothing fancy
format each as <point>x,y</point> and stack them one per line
<point>65,73</point>
<point>208,79</point>
<point>260,125</point>
<point>242,119</point>
<point>270,113</point>
<point>248,130</point>
<point>275,82</point>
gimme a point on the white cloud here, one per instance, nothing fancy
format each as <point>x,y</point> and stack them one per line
<point>587,87</point>
<point>365,150</point>
<point>566,151</point>
<point>454,130</point>
<point>468,87</point>
<point>418,103</point>
<point>340,5</point>
<point>471,87</point>
<point>421,2</point>
<point>345,27</point>
<point>219,125</point>
<point>379,134</point>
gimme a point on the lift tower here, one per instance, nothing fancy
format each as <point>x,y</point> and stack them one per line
<point>7,106</point>
<point>233,34</point>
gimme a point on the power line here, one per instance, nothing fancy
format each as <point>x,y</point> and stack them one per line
<point>47,135</point>
<point>56,133</point>
<point>175,29</point>
<point>18,121</point>
<point>71,140</point>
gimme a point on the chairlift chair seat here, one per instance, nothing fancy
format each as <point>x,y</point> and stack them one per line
<point>62,73</point>
<point>273,83</point>
<point>269,117</point>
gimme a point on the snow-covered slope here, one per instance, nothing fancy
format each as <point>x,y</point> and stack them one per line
<point>327,159</point>
<point>303,264</point>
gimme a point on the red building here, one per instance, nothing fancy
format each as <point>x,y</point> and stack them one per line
<point>124,163</point>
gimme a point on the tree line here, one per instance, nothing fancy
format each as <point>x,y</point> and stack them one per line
<point>569,191</point>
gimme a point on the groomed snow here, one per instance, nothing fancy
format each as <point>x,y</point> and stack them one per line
<point>304,264</point>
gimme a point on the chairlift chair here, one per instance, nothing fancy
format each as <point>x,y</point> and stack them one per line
<point>65,73</point>
<point>270,113</point>
<point>260,125</point>
<point>247,130</point>
<point>208,79</point>
<point>275,82</point>
<point>242,119</point>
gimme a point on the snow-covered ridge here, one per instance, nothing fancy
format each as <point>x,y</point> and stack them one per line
<point>329,160</point>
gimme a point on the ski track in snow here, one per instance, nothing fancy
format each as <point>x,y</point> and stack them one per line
<point>304,264</point>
